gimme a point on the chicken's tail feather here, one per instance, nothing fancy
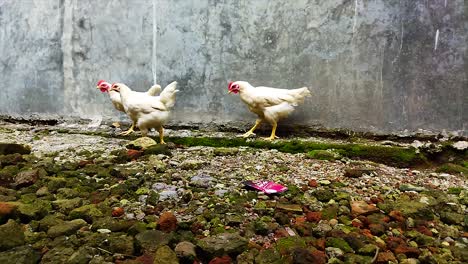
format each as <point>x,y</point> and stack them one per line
<point>168,95</point>
<point>154,90</point>
<point>299,94</point>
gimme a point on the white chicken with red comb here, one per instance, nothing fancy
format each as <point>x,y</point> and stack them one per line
<point>117,102</point>
<point>147,111</point>
<point>269,104</point>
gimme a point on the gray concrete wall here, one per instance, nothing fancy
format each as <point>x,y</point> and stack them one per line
<point>372,65</point>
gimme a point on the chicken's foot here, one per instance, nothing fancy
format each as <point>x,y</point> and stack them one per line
<point>273,133</point>
<point>129,131</point>
<point>161,135</point>
<point>251,131</point>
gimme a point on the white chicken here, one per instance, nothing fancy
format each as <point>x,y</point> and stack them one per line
<point>117,102</point>
<point>147,111</point>
<point>270,104</point>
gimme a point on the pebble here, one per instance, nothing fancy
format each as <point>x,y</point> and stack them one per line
<point>325,182</point>
<point>104,231</point>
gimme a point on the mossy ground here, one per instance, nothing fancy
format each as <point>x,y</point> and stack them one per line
<point>353,149</point>
<point>118,198</point>
<point>397,156</point>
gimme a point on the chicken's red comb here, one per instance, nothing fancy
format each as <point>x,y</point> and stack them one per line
<point>100,82</point>
<point>229,85</point>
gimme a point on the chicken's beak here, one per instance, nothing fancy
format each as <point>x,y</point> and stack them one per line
<point>97,87</point>
<point>229,92</point>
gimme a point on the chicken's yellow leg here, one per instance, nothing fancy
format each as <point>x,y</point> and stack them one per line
<point>251,131</point>
<point>273,132</point>
<point>130,130</point>
<point>161,135</point>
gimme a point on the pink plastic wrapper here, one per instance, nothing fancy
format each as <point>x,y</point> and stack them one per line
<point>268,187</point>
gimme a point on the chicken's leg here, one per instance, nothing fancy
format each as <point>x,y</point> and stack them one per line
<point>251,131</point>
<point>129,131</point>
<point>161,135</point>
<point>273,132</point>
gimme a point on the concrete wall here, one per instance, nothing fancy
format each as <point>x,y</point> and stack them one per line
<point>372,65</point>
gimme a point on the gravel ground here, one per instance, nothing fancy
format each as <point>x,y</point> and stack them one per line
<point>192,206</point>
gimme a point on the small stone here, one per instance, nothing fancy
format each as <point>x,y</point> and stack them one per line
<point>167,222</point>
<point>165,255</point>
<point>409,261</point>
<point>324,195</point>
<point>23,255</point>
<point>410,222</point>
<point>223,244</point>
<point>334,252</point>
<point>202,180</point>
<point>155,163</point>
<point>35,210</point>
<point>150,240</point>
<point>321,229</point>
<point>7,209</point>
<point>225,151</point>
<point>386,257</point>
<point>186,250</point>
<point>12,148</point>
<point>460,145</point>
<point>104,231</point>
<point>410,187</point>
<point>368,250</point>
<point>160,149</point>
<point>141,143</point>
<point>221,192</point>
<point>11,159</point>
<point>325,182</point>
<point>168,195</point>
<point>117,211</point>
<point>362,208</point>
<point>313,183</point>
<point>397,216</point>
<point>357,172</point>
<point>66,228</point>
<point>221,260</point>
<point>29,177</point>
<point>377,229</point>
<point>134,154</point>
<point>314,216</point>
<point>66,205</point>
<point>191,164</point>
<point>88,212</point>
<point>333,222</point>
<point>336,242</point>
<point>452,218</point>
<point>11,235</point>
<point>290,207</point>
<point>43,191</point>
<point>119,243</point>
<point>408,251</point>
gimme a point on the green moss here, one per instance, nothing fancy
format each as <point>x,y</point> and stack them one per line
<point>330,212</point>
<point>391,155</point>
<point>87,212</point>
<point>455,190</point>
<point>453,168</point>
<point>323,155</point>
<point>286,245</point>
<point>340,243</point>
<point>142,190</point>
